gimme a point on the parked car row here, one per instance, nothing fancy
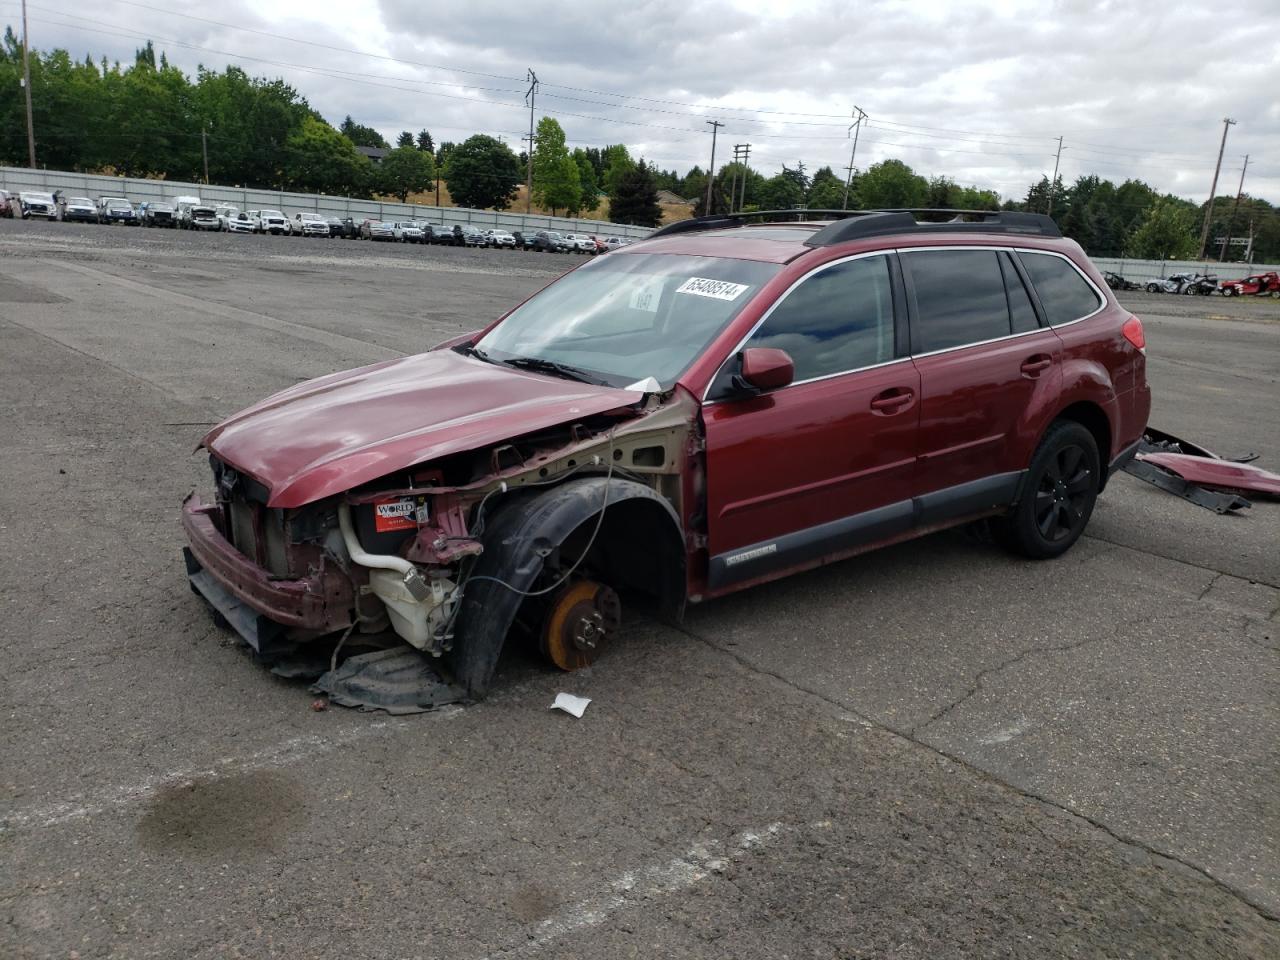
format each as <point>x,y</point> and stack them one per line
<point>190,213</point>
<point>1202,284</point>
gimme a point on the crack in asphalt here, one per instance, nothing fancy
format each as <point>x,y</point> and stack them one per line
<point>908,735</point>
<point>1209,586</point>
<point>1181,560</point>
<point>981,676</point>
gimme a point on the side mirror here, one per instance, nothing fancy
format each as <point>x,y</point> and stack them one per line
<point>765,368</point>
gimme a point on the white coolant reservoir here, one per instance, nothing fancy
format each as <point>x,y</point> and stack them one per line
<point>415,619</point>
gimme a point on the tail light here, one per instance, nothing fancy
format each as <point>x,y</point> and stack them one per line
<point>1132,331</point>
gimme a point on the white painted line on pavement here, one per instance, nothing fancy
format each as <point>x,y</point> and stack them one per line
<point>288,752</point>
<point>701,860</point>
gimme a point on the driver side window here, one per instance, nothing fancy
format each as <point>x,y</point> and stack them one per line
<point>838,320</point>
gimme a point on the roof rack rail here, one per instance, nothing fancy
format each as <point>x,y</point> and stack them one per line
<point>856,224</point>
<point>874,223</point>
<point>717,220</point>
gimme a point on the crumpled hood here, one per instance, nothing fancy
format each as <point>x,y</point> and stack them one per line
<point>328,435</point>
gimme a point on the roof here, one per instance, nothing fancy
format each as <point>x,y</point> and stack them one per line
<point>666,196</point>
<point>768,242</point>
<point>373,153</point>
<point>782,242</point>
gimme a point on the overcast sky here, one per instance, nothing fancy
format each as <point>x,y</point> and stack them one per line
<point>976,91</point>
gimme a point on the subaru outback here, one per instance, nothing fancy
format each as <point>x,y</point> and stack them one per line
<point>724,403</point>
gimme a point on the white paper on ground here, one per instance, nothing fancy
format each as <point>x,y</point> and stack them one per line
<point>570,704</point>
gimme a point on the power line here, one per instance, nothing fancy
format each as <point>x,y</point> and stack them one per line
<point>616,96</point>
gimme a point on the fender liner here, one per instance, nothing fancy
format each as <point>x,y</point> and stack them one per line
<point>521,535</point>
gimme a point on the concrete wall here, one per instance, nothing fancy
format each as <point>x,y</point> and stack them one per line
<point>15,179</point>
<point>1140,271</point>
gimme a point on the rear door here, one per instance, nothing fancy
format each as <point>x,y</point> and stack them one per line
<point>826,464</point>
<point>988,365</point>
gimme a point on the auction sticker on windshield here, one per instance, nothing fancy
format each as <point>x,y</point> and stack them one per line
<point>716,289</point>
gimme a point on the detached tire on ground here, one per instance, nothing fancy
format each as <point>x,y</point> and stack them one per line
<point>1057,497</point>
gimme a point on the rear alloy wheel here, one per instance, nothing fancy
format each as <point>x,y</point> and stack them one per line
<point>582,618</point>
<point>1059,492</point>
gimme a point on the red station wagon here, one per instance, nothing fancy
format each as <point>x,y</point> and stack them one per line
<point>722,404</point>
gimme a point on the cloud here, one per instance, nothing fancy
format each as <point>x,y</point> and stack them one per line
<point>975,91</point>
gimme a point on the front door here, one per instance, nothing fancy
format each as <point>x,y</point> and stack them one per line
<point>826,464</point>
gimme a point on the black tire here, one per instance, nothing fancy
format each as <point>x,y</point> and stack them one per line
<point>1153,288</point>
<point>1058,494</point>
<point>1228,291</point>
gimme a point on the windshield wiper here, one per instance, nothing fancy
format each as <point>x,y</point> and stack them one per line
<point>471,350</point>
<point>550,366</point>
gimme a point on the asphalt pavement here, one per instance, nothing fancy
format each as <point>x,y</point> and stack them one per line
<point>936,750</point>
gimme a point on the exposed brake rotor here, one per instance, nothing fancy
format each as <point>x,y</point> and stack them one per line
<point>582,618</point>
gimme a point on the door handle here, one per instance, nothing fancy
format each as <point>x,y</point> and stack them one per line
<point>1032,366</point>
<point>892,400</point>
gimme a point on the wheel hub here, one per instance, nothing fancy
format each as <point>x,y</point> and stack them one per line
<point>582,618</point>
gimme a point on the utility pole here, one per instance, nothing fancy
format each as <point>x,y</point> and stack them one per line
<point>204,149</point>
<point>1053,184</point>
<point>746,166</point>
<point>711,172</point>
<point>26,85</point>
<point>740,151</point>
<point>530,95</point>
<point>1208,213</point>
<point>855,128</point>
<point>1235,208</point>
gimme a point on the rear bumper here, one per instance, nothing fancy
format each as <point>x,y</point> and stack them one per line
<point>319,602</point>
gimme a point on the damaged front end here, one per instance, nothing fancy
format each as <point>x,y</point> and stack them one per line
<point>333,591</point>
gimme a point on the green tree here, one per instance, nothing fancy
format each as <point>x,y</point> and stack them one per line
<point>635,200</point>
<point>361,135</point>
<point>891,184</point>
<point>617,162</point>
<point>971,198</point>
<point>586,180</point>
<point>694,184</point>
<point>482,172</point>
<point>405,170</point>
<point>557,184</point>
<point>405,139</point>
<point>826,192</point>
<point>785,191</point>
<point>1165,233</point>
<point>1038,198</point>
<point>320,159</point>
<point>425,143</point>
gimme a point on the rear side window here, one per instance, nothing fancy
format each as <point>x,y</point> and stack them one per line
<point>837,320</point>
<point>1064,293</point>
<point>1021,313</point>
<point>959,298</point>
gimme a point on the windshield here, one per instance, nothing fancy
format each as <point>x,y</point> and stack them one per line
<point>627,318</point>
<point>80,202</point>
<point>37,197</point>
<point>273,213</point>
